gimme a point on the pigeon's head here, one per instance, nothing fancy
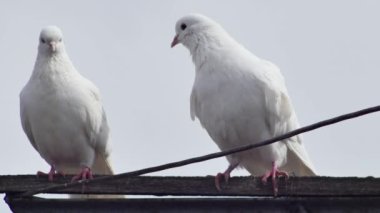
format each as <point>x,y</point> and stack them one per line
<point>191,28</point>
<point>51,40</point>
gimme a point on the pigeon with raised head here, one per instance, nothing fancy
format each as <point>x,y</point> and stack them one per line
<point>62,113</point>
<point>241,99</point>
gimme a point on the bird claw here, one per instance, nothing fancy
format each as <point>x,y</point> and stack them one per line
<point>83,175</point>
<point>225,175</point>
<point>218,179</point>
<point>50,174</point>
<point>274,173</point>
<point>265,177</point>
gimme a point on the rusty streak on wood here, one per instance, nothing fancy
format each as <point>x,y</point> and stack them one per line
<point>203,186</point>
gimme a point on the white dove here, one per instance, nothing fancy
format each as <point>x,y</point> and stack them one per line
<point>241,99</point>
<point>62,114</point>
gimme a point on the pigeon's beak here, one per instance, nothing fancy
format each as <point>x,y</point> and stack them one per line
<point>53,46</point>
<point>175,41</point>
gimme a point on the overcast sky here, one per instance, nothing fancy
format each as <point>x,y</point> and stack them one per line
<point>328,52</point>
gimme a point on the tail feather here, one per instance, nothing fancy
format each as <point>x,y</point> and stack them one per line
<point>101,166</point>
<point>298,162</point>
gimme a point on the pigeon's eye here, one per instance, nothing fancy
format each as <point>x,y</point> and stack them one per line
<point>183,26</point>
<point>43,40</point>
<point>60,40</point>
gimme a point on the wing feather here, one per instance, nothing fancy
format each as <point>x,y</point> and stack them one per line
<point>282,119</point>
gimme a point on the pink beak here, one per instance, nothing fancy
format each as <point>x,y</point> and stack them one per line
<point>175,41</point>
<point>53,46</point>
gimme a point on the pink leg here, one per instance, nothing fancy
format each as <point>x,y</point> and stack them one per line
<point>225,175</point>
<point>274,173</point>
<point>50,174</point>
<point>83,175</point>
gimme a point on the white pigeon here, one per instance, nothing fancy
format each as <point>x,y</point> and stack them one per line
<point>241,99</point>
<point>62,114</point>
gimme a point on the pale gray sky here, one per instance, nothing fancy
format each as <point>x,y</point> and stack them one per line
<point>328,52</point>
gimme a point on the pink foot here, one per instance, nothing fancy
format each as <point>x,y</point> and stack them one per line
<point>50,174</point>
<point>225,175</point>
<point>219,177</point>
<point>83,175</point>
<point>274,173</point>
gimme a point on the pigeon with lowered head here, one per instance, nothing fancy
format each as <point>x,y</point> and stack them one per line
<point>241,99</point>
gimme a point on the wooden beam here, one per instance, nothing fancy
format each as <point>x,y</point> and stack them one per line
<point>186,205</point>
<point>202,186</point>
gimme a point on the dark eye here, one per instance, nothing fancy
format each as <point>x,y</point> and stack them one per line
<point>60,40</point>
<point>43,40</point>
<point>183,26</point>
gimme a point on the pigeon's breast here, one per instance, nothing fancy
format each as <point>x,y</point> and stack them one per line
<point>59,113</point>
<point>231,108</point>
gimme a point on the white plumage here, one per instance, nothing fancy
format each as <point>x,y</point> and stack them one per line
<point>62,113</point>
<point>241,99</point>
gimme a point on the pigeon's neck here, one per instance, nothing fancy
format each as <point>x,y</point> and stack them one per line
<point>52,65</point>
<point>207,45</point>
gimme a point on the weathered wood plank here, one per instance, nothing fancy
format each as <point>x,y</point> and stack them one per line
<point>202,186</point>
